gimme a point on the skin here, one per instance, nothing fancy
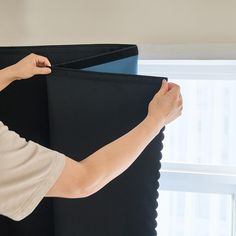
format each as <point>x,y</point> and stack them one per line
<point>84,178</point>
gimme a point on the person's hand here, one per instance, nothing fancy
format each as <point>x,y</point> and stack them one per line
<point>166,105</point>
<point>29,66</point>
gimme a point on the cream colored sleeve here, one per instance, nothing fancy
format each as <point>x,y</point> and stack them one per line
<point>27,172</point>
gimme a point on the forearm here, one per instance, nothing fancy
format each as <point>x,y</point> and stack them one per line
<point>114,158</point>
<point>6,77</point>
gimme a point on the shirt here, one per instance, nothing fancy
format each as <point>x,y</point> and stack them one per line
<point>27,172</point>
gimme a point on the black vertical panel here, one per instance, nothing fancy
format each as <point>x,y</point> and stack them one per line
<point>24,109</point>
<point>108,105</point>
<point>88,110</point>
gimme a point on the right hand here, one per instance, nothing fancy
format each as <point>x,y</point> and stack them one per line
<point>29,66</point>
<point>166,105</point>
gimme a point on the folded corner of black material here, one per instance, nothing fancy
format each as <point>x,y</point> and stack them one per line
<point>92,97</point>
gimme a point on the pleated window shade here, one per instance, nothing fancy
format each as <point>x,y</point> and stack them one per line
<point>92,97</point>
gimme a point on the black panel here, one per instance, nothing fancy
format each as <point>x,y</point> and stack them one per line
<point>79,99</point>
<point>87,111</point>
<point>24,109</point>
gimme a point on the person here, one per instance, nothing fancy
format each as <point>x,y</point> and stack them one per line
<point>29,171</point>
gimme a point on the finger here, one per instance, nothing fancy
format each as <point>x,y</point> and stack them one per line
<point>41,60</point>
<point>180,96</point>
<point>179,102</point>
<point>175,89</point>
<point>173,85</point>
<point>170,85</point>
<point>42,71</point>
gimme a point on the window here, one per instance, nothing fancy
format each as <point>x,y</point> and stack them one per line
<point>194,214</point>
<point>198,176</point>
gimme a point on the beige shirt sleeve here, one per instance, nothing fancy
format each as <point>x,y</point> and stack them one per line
<point>27,172</point>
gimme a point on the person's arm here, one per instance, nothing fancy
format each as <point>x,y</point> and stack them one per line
<point>26,68</point>
<point>81,179</point>
<point>5,78</point>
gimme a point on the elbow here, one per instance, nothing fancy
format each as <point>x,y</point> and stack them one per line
<point>85,183</point>
<point>76,181</point>
<point>86,193</point>
<point>87,189</point>
<point>79,190</point>
<point>82,191</point>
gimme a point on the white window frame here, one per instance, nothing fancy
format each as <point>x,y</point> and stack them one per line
<point>195,177</point>
<point>201,179</point>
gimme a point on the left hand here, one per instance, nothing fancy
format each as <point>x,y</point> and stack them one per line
<point>29,66</point>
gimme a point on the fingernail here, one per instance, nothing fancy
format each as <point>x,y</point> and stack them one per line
<point>164,81</point>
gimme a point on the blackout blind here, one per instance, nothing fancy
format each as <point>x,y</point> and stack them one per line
<point>92,97</point>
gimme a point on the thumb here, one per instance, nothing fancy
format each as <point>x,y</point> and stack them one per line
<point>163,90</point>
<point>164,87</point>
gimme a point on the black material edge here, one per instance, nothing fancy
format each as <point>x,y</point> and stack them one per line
<point>92,75</point>
<point>102,58</point>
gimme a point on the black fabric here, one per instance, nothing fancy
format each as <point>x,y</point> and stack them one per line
<point>24,108</point>
<point>86,111</point>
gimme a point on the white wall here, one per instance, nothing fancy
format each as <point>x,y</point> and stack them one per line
<point>146,22</point>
